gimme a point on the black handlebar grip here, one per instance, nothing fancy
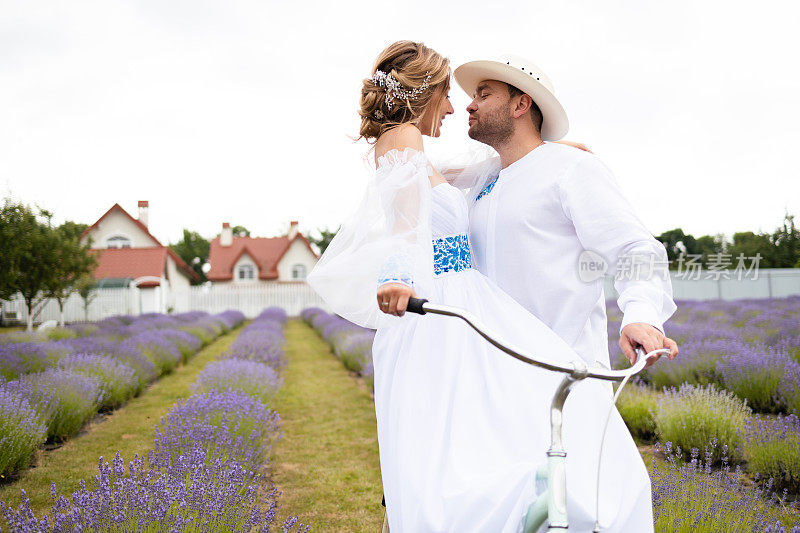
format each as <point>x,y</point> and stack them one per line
<point>415,305</point>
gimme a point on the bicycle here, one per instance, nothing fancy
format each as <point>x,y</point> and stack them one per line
<point>551,504</point>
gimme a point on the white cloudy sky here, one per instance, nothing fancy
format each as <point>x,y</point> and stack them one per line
<point>240,111</point>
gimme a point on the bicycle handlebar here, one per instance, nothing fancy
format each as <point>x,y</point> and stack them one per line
<point>577,369</point>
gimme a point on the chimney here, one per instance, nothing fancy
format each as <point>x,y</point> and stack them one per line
<point>292,229</point>
<point>226,237</point>
<point>144,205</point>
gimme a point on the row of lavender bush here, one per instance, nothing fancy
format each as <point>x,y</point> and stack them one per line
<point>687,494</point>
<point>206,469</point>
<point>52,383</point>
<point>736,358</point>
<point>749,347</point>
<point>351,343</point>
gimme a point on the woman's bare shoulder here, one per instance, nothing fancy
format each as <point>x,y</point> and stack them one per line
<point>399,138</point>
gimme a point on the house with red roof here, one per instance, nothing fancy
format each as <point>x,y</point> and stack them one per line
<point>129,255</point>
<point>241,261</point>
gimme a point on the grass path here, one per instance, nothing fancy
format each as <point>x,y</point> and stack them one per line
<point>129,430</point>
<point>326,464</point>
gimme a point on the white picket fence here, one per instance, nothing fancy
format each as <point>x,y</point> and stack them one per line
<point>250,300</point>
<point>106,302</point>
<point>294,297</point>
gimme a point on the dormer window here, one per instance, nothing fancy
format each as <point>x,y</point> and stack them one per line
<point>118,241</point>
<point>245,272</point>
<point>299,272</point>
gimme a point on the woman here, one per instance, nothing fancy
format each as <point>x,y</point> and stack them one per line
<point>461,426</point>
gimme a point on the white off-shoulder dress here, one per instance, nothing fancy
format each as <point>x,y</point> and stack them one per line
<point>462,427</point>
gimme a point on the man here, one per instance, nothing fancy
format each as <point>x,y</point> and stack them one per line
<point>540,215</point>
<point>549,210</point>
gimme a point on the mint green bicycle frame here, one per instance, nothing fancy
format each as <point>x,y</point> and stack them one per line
<point>551,504</point>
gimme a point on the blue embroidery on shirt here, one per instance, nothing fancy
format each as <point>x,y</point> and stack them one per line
<point>451,254</point>
<point>488,189</point>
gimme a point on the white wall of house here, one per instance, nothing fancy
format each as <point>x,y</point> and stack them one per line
<point>180,284</point>
<point>117,224</point>
<point>247,262</point>
<point>177,277</point>
<point>297,254</point>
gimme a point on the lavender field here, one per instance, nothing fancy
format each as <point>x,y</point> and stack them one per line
<point>53,382</point>
<point>206,469</point>
<point>719,424</point>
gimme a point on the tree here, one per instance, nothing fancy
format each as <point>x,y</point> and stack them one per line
<point>38,262</point>
<point>750,245</point>
<point>673,241</point>
<point>325,238</point>
<point>786,240</point>
<point>193,249</point>
<point>15,220</point>
<point>709,244</point>
<point>240,231</point>
<point>86,286</point>
<point>73,262</point>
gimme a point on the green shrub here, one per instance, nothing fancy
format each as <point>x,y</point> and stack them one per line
<point>696,364</point>
<point>57,334</point>
<point>772,450</point>
<point>693,416</point>
<point>22,430</point>
<point>65,399</point>
<point>636,405</point>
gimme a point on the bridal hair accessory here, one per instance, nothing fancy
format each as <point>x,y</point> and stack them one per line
<point>395,90</point>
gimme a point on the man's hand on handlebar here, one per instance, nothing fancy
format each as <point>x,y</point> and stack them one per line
<point>649,338</point>
<point>393,298</point>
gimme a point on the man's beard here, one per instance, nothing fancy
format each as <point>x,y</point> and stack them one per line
<point>494,129</point>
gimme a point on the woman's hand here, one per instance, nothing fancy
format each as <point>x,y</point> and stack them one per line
<point>579,146</point>
<point>393,298</point>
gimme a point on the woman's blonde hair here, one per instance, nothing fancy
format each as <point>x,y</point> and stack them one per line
<point>410,64</point>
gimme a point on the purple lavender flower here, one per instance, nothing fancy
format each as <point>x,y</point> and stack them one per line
<point>689,496</point>
<point>691,417</point>
<point>21,358</point>
<point>144,369</point>
<point>78,399</point>
<point>156,346</point>
<point>226,424</point>
<point>118,380</point>
<point>771,449</point>
<point>204,473</point>
<point>252,378</point>
<point>22,430</point>
<point>349,342</point>
<point>754,373</point>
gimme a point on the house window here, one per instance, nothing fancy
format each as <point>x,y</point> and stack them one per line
<point>118,241</point>
<point>246,272</point>
<point>299,272</point>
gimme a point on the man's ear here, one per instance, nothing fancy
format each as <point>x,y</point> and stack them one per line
<point>523,105</point>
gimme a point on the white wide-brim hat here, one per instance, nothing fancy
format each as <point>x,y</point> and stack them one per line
<point>526,77</point>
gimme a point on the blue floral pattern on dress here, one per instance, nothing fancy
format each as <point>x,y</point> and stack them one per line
<point>451,254</point>
<point>396,269</point>
<point>488,189</point>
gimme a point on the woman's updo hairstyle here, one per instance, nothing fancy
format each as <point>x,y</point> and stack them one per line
<point>410,64</point>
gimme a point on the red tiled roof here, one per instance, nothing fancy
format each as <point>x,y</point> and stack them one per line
<point>175,257</point>
<point>266,252</point>
<point>131,263</point>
